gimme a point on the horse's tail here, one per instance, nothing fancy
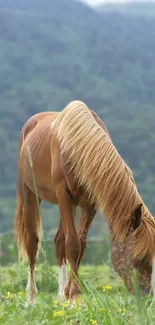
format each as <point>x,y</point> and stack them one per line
<point>20,216</point>
<point>19,228</point>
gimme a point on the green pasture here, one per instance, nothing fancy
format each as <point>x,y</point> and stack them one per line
<point>105,299</point>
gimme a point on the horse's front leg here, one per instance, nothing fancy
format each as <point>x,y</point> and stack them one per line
<point>86,219</point>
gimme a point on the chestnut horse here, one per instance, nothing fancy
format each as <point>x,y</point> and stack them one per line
<point>28,222</point>
<point>74,163</point>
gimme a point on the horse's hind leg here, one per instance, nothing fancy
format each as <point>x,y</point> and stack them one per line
<point>31,221</point>
<point>61,258</point>
<point>72,244</point>
<point>62,261</point>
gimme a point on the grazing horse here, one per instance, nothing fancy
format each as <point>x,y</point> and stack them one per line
<point>74,162</point>
<point>36,134</point>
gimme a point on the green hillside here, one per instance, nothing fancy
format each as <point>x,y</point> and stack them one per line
<point>54,51</point>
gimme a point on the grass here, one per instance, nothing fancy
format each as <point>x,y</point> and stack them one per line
<point>105,299</point>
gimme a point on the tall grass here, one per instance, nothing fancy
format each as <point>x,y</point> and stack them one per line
<point>104,299</point>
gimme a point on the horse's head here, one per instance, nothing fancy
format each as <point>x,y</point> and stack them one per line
<point>123,258</point>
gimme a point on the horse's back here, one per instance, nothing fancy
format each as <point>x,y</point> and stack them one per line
<point>33,121</point>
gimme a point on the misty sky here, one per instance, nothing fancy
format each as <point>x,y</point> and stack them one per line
<point>94,2</point>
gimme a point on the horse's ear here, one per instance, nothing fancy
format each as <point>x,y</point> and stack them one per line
<point>136,216</point>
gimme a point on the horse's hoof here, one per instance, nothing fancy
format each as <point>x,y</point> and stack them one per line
<point>67,293</point>
<point>75,291</point>
<point>29,304</point>
<point>62,298</point>
<point>31,301</point>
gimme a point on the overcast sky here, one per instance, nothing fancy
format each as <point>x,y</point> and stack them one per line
<point>94,2</point>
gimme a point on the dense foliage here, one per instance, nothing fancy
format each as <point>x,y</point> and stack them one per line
<point>54,51</point>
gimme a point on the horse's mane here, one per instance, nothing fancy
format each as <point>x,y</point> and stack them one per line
<point>106,177</point>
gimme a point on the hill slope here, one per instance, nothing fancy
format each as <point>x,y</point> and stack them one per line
<point>62,51</point>
<point>136,8</point>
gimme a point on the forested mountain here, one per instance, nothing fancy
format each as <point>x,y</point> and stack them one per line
<point>54,51</point>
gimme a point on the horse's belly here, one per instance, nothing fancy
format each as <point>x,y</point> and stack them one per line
<point>44,193</point>
<point>47,195</point>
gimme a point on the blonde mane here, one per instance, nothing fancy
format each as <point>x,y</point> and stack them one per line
<point>106,177</point>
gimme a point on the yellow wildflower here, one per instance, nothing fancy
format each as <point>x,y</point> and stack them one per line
<point>9,295</point>
<point>65,304</point>
<point>121,311</point>
<point>56,302</point>
<point>93,321</point>
<point>58,313</point>
<point>102,309</point>
<point>20,293</point>
<point>107,288</point>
